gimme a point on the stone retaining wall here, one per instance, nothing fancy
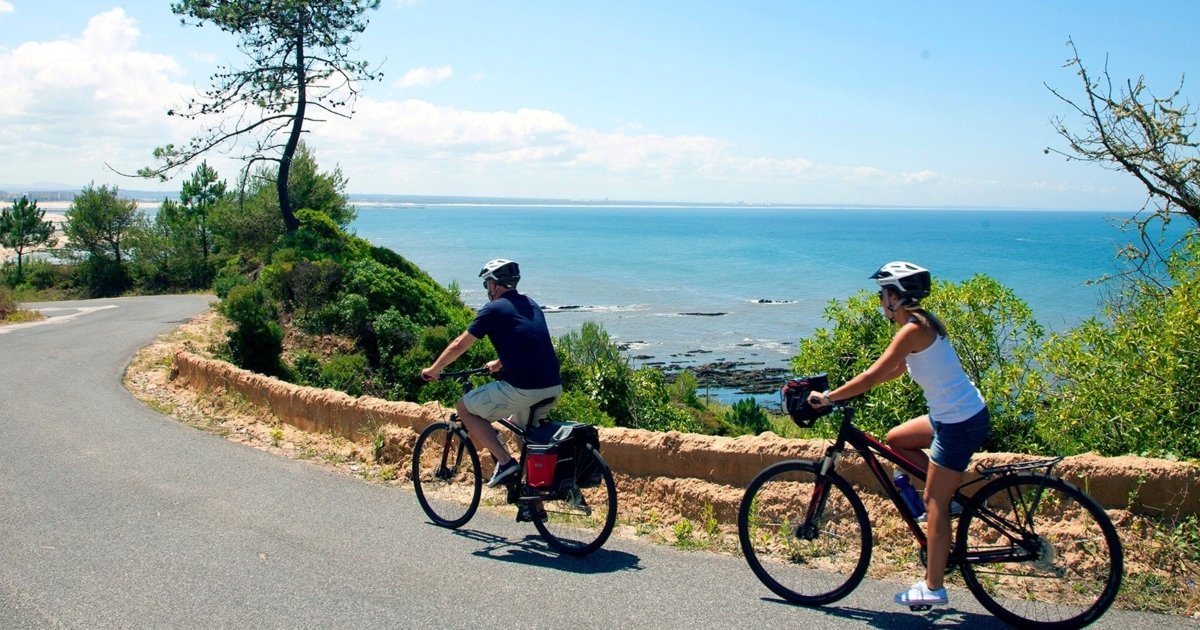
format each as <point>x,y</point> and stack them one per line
<point>1143,485</point>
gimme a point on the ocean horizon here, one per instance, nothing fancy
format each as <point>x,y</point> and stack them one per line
<point>683,285</point>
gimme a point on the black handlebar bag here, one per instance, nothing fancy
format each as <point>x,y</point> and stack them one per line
<point>794,395</point>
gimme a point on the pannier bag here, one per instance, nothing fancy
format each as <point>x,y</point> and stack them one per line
<point>552,450</point>
<point>795,398</point>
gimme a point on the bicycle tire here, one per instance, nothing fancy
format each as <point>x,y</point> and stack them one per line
<point>447,485</point>
<point>579,524</point>
<point>1075,561</point>
<point>814,567</point>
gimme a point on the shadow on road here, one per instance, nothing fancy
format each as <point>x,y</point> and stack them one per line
<point>533,551</point>
<point>900,618</point>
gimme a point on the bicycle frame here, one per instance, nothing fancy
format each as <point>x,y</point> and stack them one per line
<point>871,450</point>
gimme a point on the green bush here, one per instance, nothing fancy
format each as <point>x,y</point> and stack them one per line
<point>395,333</point>
<point>312,284</point>
<point>747,415</point>
<point>1131,384</point>
<point>231,274</point>
<point>345,372</point>
<point>576,406</point>
<point>306,369</point>
<point>256,341</point>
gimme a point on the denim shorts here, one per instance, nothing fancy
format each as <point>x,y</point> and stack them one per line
<point>955,442</point>
<point>498,399</point>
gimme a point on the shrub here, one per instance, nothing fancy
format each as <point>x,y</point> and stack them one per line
<point>1131,384</point>
<point>345,372</point>
<point>747,415</point>
<point>395,333</point>
<point>256,340</point>
<point>306,369</point>
<point>576,406</point>
<point>8,305</point>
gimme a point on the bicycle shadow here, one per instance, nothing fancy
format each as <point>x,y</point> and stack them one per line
<point>533,551</point>
<point>902,620</point>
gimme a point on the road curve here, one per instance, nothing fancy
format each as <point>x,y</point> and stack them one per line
<point>113,515</point>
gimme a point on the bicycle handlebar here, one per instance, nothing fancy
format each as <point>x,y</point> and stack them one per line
<point>465,374</point>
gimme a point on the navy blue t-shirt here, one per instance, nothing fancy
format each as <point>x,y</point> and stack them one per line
<point>517,328</point>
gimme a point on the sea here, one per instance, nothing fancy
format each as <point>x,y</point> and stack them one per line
<point>687,285</point>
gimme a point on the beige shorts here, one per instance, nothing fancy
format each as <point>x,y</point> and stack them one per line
<point>498,399</point>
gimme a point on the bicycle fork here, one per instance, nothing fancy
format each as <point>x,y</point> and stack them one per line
<point>808,529</point>
<point>446,469</point>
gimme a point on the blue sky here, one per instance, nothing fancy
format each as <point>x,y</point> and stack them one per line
<point>882,103</point>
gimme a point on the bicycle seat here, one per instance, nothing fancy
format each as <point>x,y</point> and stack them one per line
<point>539,404</point>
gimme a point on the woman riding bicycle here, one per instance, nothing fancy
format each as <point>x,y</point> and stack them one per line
<point>957,423</point>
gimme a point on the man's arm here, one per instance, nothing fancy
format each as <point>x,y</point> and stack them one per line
<point>454,350</point>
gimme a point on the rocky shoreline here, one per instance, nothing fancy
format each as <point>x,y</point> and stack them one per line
<point>747,377</point>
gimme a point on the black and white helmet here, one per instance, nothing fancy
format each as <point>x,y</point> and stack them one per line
<point>908,280</point>
<point>504,272</point>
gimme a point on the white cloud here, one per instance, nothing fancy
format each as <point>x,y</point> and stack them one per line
<point>392,146</point>
<point>5,6</point>
<point>425,76</point>
<point>73,105</point>
<point>81,102</point>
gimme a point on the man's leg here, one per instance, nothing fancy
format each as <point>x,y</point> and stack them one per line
<point>483,433</point>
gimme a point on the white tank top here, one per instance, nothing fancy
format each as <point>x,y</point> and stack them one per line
<point>952,397</point>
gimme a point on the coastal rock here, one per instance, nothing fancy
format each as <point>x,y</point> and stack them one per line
<point>741,376</point>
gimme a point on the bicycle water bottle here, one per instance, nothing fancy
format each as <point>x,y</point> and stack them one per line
<point>915,505</point>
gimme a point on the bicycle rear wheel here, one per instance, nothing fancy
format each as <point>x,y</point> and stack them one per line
<point>806,536</point>
<point>445,474</point>
<point>579,520</point>
<point>1040,553</point>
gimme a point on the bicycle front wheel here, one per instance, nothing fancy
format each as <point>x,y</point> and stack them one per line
<point>445,474</point>
<point>806,536</point>
<point>579,520</point>
<point>1040,553</point>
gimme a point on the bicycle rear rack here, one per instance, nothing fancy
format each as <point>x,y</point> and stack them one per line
<point>1005,469</point>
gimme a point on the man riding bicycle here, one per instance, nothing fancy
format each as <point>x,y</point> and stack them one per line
<point>517,328</point>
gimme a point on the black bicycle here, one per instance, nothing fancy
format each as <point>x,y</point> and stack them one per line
<point>573,503</point>
<point>1035,550</point>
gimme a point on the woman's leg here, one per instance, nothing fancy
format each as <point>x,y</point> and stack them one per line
<point>909,438</point>
<point>939,487</point>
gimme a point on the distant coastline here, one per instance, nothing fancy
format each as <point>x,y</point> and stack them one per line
<point>57,194</point>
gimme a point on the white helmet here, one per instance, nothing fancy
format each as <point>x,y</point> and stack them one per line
<point>504,272</point>
<point>908,280</point>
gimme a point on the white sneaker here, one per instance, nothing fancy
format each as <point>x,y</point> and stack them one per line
<point>956,508</point>
<point>921,595</point>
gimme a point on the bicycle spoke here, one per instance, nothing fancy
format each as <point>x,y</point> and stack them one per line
<point>806,537</point>
<point>1040,553</point>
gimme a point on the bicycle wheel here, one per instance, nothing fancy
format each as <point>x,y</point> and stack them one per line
<point>579,520</point>
<point>805,536</point>
<point>446,475</point>
<point>1040,553</point>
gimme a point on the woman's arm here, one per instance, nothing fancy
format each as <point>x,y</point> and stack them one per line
<point>889,366</point>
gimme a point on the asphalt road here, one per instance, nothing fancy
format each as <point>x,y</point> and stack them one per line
<point>113,515</point>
